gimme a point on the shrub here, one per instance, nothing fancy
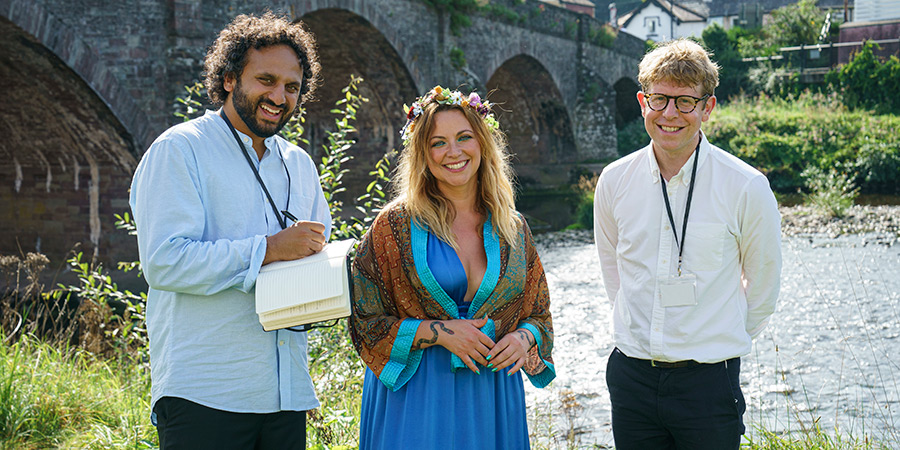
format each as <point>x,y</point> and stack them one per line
<point>631,137</point>
<point>869,82</point>
<point>878,167</point>
<point>783,137</point>
<point>458,10</point>
<point>457,58</point>
<point>603,36</point>
<point>584,209</point>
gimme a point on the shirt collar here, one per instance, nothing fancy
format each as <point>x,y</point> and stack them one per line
<point>684,175</point>
<point>270,141</point>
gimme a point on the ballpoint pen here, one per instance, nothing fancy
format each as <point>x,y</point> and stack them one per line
<point>289,215</point>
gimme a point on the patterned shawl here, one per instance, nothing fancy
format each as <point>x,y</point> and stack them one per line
<point>393,290</point>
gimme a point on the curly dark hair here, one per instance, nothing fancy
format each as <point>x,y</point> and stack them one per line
<point>229,53</point>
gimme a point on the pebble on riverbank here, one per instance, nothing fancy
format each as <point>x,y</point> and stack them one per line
<point>883,220</point>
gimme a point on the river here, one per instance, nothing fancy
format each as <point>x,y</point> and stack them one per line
<point>830,355</point>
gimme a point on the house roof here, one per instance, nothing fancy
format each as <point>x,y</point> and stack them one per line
<point>683,11</point>
<point>719,8</point>
<point>578,2</point>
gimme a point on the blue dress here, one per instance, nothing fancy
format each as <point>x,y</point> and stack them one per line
<point>438,408</point>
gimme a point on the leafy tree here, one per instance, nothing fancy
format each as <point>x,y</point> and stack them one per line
<point>724,48</point>
<point>791,25</point>
<point>868,81</point>
<point>795,24</point>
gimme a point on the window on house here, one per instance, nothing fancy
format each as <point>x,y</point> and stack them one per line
<point>651,23</point>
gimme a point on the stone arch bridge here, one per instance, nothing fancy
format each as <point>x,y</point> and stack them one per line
<point>90,83</point>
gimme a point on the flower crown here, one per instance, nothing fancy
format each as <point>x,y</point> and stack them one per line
<point>441,96</point>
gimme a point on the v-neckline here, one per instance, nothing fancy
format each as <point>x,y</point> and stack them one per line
<point>426,276</point>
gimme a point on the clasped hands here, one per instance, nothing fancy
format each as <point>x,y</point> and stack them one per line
<point>464,339</point>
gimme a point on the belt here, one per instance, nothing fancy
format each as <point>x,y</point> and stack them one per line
<point>673,365</point>
<point>667,364</point>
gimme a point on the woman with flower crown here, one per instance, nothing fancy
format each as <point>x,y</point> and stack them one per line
<point>450,298</point>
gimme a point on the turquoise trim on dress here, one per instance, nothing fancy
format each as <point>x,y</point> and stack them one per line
<point>547,375</point>
<point>534,331</point>
<point>404,361</point>
<point>419,237</point>
<point>492,272</point>
<point>544,378</point>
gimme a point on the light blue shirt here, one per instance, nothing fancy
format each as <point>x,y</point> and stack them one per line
<point>202,221</point>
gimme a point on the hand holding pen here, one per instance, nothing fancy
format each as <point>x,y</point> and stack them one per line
<point>299,240</point>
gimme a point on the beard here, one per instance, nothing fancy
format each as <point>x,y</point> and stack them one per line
<point>246,109</point>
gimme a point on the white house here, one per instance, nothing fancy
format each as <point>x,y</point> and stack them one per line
<point>876,10</point>
<point>660,20</point>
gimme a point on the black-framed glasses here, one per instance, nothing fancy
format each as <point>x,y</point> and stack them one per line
<point>683,103</point>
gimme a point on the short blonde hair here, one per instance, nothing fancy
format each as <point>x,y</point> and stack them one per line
<point>417,189</point>
<point>681,62</point>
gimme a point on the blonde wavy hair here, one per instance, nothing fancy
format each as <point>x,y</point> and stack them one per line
<point>417,190</point>
<point>682,62</point>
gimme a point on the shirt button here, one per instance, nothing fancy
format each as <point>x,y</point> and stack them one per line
<point>281,342</point>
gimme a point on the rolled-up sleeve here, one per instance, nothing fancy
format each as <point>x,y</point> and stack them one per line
<point>171,218</point>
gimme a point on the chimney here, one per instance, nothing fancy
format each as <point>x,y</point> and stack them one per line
<point>613,20</point>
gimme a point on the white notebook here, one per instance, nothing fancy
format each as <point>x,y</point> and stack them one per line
<point>306,290</point>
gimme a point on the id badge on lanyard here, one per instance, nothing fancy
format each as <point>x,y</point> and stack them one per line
<point>679,289</point>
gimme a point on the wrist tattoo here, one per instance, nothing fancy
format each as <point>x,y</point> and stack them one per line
<point>434,336</point>
<point>527,337</point>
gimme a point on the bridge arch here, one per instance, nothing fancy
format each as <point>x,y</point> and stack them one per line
<point>627,107</point>
<point>379,16</point>
<point>66,158</point>
<point>532,112</point>
<point>66,43</point>
<point>357,47</point>
<point>553,61</point>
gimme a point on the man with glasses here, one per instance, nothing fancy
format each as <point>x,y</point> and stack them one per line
<point>690,250</point>
<point>214,199</point>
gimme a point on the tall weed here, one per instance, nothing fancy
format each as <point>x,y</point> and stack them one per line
<point>831,193</point>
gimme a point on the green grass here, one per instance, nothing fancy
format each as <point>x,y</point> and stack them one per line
<point>808,440</point>
<point>69,398</point>
<point>52,397</point>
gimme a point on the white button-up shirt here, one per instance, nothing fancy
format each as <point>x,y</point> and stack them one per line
<point>202,220</point>
<point>733,246</point>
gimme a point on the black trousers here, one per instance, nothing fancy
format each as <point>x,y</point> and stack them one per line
<point>698,407</point>
<point>183,424</point>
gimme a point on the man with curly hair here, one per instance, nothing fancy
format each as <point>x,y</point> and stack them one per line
<point>214,200</point>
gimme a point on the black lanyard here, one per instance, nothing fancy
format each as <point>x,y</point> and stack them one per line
<point>687,207</point>
<point>281,219</point>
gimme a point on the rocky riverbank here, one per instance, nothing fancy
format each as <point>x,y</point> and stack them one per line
<point>883,221</point>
